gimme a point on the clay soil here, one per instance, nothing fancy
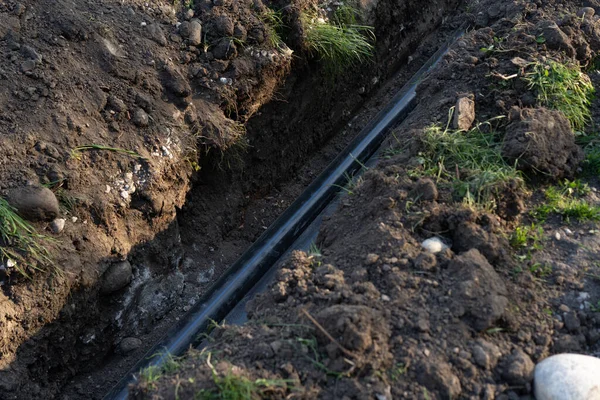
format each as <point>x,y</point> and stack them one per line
<point>375,315</point>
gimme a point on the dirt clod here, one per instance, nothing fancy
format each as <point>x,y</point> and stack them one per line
<point>542,143</point>
<point>479,293</point>
<point>438,377</point>
<point>519,368</point>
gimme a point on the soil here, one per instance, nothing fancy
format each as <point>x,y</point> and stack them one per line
<point>375,315</point>
<point>224,137</point>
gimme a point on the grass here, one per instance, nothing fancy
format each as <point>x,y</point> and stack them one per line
<point>76,152</point>
<point>591,147</point>
<point>564,88</point>
<point>471,161</point>
<point>528,236</point>
<point>231,386</point>
<point>338,45</point>
<point>20,246</point>
<point>150,375</point>
<point>566,200</point>
<point>274,26</point>
<point>540,270</point>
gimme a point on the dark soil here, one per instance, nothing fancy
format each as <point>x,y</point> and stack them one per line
<point>145,236</point>
<point>378,316</point>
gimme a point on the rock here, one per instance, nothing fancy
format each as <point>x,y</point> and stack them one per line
<point>371,259</point>
<point>518,369</point>
<point>57,225</point>
<point>571,321</point>
<point>155,32</point>
<point>34,203</point>
<point>425,189</point>
<point>434,245</point>
<point>541,142</point>
<point>140,118</point>
<point>116,103</point>
<point>486,354</point>
<point>556,39</point>
<point>586,12</point>
<point>192,31</point>
<point>478,292</point>
<point>129,344</point>
<point>464,114</point>
<point>437,377</point>
<point>567,376</point>
<point>116,277</point>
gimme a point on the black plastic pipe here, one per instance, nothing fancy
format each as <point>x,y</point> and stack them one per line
<point>239,279</point>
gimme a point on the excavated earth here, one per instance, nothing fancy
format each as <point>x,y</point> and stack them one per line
<point>375,315</point>
<point>208,130</point>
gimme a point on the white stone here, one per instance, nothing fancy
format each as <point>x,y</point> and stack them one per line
<point>557,235</point>
<point>434,245</point>
<point>567,377</point>
<point>58,225</point>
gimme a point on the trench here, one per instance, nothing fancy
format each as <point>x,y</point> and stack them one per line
<point>233,202</point>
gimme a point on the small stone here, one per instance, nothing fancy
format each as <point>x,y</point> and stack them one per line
<point>567,376</point>
<point>124,194</point>
<point>371,259</point>
<point>568,231</point>
<point>519,368</point>
<point>129,344</point>
<point>386,298</point>
<point>27,66</point>
<point>34,203</point>
<point>57,225</point>
<point>564,308</point>
<point>434,245</point>
<point>116,277</point>
<point>192,31</point>
<point>140,118</point>
<point>557,236</point>
<point>74,219</point>
<point>189,14</point>
<point>155,32</point>
<point>423,325</point>
<point>464,114</point>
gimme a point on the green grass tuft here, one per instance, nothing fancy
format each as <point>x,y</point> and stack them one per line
<point>527,236</point>
<point>274,26</point>
<point>564,88</point>
<point>338,45</point>
<point>565,200</point>
<point>20,246</point>
<point>471,161</point>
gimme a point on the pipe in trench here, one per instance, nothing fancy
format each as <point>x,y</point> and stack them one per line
<point>247,271</point>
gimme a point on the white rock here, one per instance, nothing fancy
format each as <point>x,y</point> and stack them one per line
<point>434,245</point>
<point>567,377</point>
<point>125,194</point>
<point>58,225</point>
<point>557,235</point>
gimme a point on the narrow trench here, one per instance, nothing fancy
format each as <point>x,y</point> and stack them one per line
<point>236,197</point>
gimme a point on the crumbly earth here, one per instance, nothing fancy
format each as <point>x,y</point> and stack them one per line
<point>376,316</point>
<point>221,122</point>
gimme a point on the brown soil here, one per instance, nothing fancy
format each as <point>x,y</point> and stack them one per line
<point>377,316</point>
<point>122,74</point>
